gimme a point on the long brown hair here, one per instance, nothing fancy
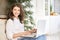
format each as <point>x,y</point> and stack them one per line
<point>10,13</point>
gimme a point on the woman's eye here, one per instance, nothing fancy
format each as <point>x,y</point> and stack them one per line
<point>18,10</point>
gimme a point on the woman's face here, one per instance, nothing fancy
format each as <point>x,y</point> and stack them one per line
<point>16,11</point>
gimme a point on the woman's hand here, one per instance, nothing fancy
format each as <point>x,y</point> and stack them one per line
<point>33,31</point>
<point>21,34</point>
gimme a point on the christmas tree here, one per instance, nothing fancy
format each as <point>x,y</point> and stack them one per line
<point>28,19</point>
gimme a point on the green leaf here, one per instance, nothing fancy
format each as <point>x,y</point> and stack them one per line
<point>25,21</point>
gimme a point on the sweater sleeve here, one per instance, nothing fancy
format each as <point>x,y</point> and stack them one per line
<point>9,29</point>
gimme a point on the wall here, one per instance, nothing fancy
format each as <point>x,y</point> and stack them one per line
<point>3,4</point>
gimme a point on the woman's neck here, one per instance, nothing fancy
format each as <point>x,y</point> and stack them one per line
<point>15,17</point>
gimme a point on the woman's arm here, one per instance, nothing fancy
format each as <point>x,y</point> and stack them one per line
<point>24,33</point>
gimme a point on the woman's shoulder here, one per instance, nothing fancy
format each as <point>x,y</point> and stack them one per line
<point>9,20</point>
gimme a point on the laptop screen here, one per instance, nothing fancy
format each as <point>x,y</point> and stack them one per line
<point>41,27</point>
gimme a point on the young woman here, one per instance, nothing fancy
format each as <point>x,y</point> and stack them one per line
<point>15,23</point>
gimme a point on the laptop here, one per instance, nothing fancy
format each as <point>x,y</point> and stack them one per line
<point>41,27</point>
